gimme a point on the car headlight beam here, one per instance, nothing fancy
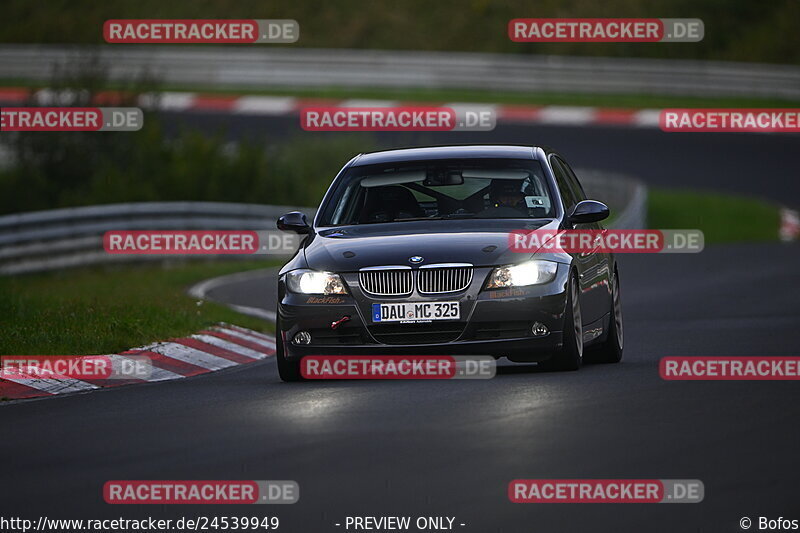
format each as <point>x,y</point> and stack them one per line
<point>533,272</point>
<point>315,282</point>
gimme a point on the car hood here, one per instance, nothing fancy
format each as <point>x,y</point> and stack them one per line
<point>479,242</point>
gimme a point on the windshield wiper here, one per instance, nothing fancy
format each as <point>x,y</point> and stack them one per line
<point>416,219</point>
<point>412,219</point>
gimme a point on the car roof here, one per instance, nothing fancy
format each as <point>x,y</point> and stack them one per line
<point>446,152</point>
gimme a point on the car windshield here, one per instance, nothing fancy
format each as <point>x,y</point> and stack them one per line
<point>439,190</point>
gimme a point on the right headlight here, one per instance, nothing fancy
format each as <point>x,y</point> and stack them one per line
<point>533,272</point>
<point>305,281</point>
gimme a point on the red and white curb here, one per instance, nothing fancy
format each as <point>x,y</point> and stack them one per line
<point>790,225</point>
<point>288,105</point>
<point>216,348</point>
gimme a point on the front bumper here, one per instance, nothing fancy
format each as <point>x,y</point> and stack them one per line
<point>496,323</point>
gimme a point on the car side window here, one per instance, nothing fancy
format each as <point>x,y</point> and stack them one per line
<point>572,179</point>
<point>567,195</point>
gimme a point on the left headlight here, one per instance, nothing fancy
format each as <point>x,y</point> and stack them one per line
<point>315,282</point>
<point>529,273</point>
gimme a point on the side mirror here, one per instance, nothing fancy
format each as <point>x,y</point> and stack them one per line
<point>294,221</point>
<point>588,211</point>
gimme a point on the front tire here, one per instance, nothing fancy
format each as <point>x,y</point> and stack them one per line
<point>287,370</point>
<point>610,351</point>
<point>570,356</point>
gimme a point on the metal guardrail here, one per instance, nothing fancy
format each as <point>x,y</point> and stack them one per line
<point>269,67</point>
<point>71,237</point>
<point>63,238</point>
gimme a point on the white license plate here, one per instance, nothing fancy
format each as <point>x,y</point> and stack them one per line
<point>415,311</point>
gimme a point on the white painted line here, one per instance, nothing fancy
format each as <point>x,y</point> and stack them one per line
<point>244,336</point>
<point>265,105</point>
<point>200,291</point>
<point>54,386</point>
<point>227,345</point>
<point>254,311</point>
<point>191,355</point>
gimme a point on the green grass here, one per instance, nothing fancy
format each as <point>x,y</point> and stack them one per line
<point>108,310</point>
<point>722,217</point>
<point>630,101</point>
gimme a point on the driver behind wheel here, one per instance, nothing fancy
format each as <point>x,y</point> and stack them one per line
<point>506,193</point>
<point>506,199</point>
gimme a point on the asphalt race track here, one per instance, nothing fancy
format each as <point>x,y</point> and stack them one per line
<point>450,448</point>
